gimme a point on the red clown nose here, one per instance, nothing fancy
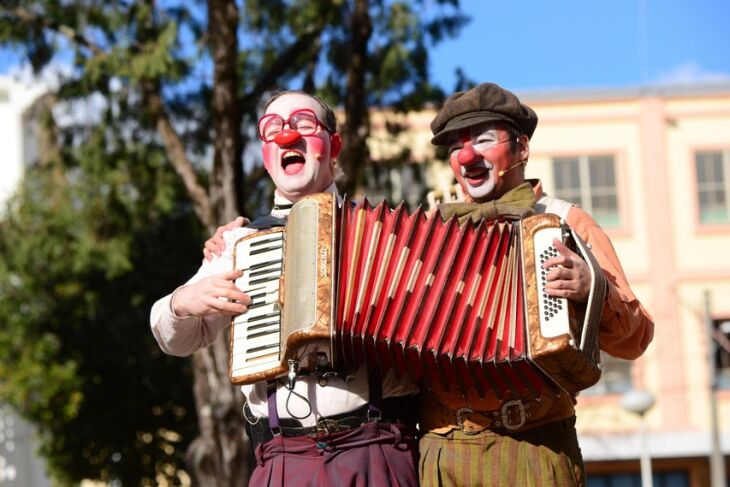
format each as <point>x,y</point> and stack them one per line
<point>287,137</point>
<point>465,156</point>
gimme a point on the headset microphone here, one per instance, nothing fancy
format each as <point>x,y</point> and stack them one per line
<point>504,171</point>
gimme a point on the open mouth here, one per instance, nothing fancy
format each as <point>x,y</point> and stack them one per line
<point>292,162</point>
<point>476,173</point>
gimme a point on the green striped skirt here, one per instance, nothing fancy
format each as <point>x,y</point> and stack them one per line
<point>544,457</point>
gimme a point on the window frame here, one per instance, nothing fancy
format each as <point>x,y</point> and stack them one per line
<point>721,352</point>
<point>725,163</point>
<point>585,189</point>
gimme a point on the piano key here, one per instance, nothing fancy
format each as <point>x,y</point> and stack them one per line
<point>245,364</point>
<point>263,257</point>
<point>273,238</point>
<point>258,314</point>
<point>256,296</point>
<point>253,347</point>
<point>256,352</point>
<point>263,363</point>
<point>259,304</point>
<point>267,270</point>
<point>263,324</point>
<point>243,329</point>
<point>262,333</point>
<point>253,266</point>
<point>265,279</point>
<point>263,317</point>
<point>265,249</point>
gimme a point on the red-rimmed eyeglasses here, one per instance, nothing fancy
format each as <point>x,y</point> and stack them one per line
<point>303,121</point>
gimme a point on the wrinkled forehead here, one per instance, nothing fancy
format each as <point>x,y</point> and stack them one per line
<point>288,103</point>
<point>492,128</point>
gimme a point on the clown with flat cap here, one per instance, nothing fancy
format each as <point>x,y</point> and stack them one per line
<point>481,441</point>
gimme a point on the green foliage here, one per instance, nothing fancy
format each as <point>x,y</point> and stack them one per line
<point>85,251</point>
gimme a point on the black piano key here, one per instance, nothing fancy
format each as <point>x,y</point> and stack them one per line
<point>265,271</point>
<point>262,280</point>
<point>264,250</point>
<point>262,348</point>
<point>260,265</point>
<point>261,242</point>
<point>262,325</point>
<point>258,304</point>
<point>263,317</point>
<point>259,334</point>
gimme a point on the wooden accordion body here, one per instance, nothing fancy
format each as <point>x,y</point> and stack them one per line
<point>453,306</point>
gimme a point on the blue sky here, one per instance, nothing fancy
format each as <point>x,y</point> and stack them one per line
<point>545,44</point>
<point>554,44</point>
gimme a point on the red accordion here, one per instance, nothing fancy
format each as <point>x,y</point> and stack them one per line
<point>453,306</point>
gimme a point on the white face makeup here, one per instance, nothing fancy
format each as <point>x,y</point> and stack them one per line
<point>477,155</point>
<point>303,166</point>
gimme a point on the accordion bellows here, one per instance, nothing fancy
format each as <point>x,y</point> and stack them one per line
<point>453,306</point>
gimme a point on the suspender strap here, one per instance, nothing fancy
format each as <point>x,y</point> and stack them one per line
<point>375,384</point>
<point>271,403</point>
<point>548,204</point>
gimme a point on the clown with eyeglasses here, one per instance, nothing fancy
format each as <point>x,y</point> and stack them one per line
<point>326,436</point>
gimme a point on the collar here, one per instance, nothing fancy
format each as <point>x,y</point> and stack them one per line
<point>536,187</point>
<point>282,206</point>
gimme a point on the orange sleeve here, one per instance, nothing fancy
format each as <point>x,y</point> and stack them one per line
<point>626,328</point>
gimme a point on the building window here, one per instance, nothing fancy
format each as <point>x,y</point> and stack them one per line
<point>589,182</point>
<point>721,329</point>
<point>713,185</point>
<point>615,377</point>
<point>660,479</point>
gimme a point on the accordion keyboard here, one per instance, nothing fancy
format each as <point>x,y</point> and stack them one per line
<point>256,334</point>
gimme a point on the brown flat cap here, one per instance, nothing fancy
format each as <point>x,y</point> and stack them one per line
<point>486,102</point>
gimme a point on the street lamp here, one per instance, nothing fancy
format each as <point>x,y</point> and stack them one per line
<point>639,402</point>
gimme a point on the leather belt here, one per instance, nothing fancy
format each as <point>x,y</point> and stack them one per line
<point>513,415</point>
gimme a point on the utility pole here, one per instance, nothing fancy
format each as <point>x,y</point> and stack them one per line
<point>717,461</point>
<point>639,402</point>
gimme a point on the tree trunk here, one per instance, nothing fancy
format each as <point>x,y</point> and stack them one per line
<point>219,456</point>
<point>226,109</point>
<point>355,132</point>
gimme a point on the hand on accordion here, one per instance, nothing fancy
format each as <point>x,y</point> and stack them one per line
<point>215,295</point>
<point>569,276</point>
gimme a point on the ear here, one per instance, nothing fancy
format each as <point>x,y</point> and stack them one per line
<point>523,147</point>
<point>335,145</point>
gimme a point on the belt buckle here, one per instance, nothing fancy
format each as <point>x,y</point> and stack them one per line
<point>460,420</point>
<point>327,426</point>
<point>508,408</point>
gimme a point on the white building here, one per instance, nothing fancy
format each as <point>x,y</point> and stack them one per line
<point>17,134</point>
<point>19,464</point>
